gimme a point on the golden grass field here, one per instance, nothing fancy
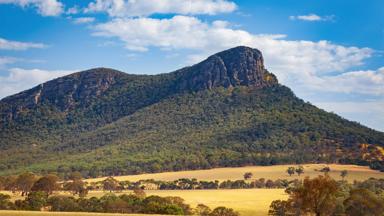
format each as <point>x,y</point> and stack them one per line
<point>268,172</point>
<point>248,202</point>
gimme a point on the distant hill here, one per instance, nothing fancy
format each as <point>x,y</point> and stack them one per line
<point>225,111</point>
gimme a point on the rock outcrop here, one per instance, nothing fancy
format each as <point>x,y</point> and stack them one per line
<point>239,66</point>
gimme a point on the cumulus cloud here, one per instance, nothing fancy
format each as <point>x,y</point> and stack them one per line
<point>184,32</point>
<point>16,45</point>
<point>129,8</point>
<point>312,17</point>
<point>19,79</point>
<point>369,82</point>
<point>44,7</point>
<point>83,20</point>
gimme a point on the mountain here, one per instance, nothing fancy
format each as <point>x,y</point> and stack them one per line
<point>225,111</point>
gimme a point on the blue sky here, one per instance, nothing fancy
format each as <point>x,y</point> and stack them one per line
<point>329,52</point>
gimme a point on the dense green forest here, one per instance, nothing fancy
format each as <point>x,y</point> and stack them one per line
<point>225,111</point>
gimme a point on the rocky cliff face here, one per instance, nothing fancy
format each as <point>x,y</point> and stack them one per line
<point>234,67</point>
<point>65,93</point>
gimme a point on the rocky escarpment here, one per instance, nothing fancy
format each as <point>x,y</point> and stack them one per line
<point>64,93</point>
<point>239,66</point>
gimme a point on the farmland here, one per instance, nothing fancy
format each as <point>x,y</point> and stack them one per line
<point>268,172</point>
<point>246,201</point>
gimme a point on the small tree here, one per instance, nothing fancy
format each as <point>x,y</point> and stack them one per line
<point>202,210</point>
<point>110,184</point>
<point>24,182</point>
<point>299,170</point>
<point>343,174</point>
<point>248,175</point>
<point>223,211</point>
<point>47,184</point>
<point>76,184</point>
<point>325,170</point>
<point>291,171</point>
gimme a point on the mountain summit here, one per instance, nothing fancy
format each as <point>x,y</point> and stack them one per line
<point>227,110</point>
<point>230,68</point>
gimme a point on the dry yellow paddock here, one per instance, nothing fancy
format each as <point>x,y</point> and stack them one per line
<point>268,172</point>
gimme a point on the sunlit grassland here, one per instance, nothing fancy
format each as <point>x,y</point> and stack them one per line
<point>268,172</point>
<point>247,202</point>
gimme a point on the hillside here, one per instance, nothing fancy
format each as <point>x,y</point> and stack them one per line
<point>225,111</point>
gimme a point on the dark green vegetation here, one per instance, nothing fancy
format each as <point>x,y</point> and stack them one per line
<point>323,196</point>
<point>226,111</point>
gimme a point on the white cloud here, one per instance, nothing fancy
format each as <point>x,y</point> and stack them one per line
<point>364,82</point>
<point>304,65</point>
<point>131,8</point>
<point>16,45</point>
<point>73,10</point>
<point>44,7</point>
<point>20,79</point>
<point>312,17</point>
<point>83,20</point>
<point>207,38</point>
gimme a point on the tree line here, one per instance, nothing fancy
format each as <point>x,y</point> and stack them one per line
<point>111,203</point>
<point>28,182</point>
<point>39,195</point>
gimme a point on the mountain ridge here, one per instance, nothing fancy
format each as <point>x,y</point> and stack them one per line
<point>227,110</point>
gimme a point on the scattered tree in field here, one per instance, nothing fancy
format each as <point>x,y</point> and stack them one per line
<point>76,187</point>
<point>110,184</point>
<point>325,170</point>
<point>48,184</point>
<point>248,175</point>
<point>223,211</point>
<point>291,171</point>
<point>343,174</point>
<point>299,170</point>
<point>364,202</point>
<point>76,184</point>
<point>24,182</point>
<point>202,210</point>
